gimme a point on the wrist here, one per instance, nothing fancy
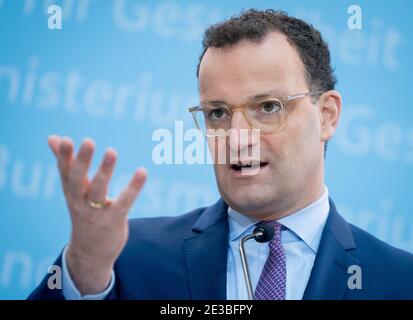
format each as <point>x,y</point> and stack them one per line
<point>89,275</point>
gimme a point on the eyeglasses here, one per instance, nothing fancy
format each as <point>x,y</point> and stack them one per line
<point>266,114</point>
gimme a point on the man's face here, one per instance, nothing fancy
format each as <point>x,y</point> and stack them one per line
<point>292,157</point>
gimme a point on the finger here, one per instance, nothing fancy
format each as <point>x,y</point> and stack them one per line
<point>65,157</point>
<point>80,166</point>
<point>128,196</point>
<point>99,185</point>
<point>54,142</point>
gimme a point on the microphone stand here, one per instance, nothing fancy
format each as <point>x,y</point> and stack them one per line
<point>244,262</point>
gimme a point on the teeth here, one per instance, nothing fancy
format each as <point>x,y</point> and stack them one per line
<point>251,164</point>
<point>248,164</point>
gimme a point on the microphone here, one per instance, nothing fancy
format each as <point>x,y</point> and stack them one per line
<point>262,233</point>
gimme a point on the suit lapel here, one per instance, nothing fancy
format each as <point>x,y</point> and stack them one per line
<point>328,279</point>
<point>206,254</point>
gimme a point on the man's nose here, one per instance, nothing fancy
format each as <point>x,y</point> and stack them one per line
<point>238,120</point>
<point>241,136</point>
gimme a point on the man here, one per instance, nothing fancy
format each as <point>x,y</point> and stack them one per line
<point>266,71</point>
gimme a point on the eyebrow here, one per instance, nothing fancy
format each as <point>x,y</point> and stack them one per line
<point>271,93</point>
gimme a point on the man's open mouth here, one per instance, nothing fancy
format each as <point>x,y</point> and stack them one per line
<point>248,165</point>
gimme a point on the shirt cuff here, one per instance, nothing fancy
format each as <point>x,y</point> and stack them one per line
<point>70,292</point>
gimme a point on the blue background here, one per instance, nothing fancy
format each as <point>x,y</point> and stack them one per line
<point>141,57</point>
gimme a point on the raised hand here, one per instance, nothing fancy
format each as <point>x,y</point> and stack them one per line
<point>99,224</point>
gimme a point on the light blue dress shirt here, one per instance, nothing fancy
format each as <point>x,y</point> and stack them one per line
<point>300,238</point>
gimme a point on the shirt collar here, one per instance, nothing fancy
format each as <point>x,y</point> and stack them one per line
<point>306,223</point>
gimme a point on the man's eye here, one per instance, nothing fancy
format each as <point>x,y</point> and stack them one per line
<point>217,114</point>
<point>270,107</point>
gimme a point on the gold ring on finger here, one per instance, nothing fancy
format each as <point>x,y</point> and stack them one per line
<point>95,205</point>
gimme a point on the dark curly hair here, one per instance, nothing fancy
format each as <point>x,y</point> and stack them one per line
<point>254,25</point>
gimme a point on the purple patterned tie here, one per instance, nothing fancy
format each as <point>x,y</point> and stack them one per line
<point>271,285</point>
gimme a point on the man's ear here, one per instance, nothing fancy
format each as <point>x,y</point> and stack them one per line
<point>330,109</point>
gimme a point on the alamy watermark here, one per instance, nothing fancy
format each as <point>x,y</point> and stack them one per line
<point>355,279</point>
<point>54,22</point>
<point>355,21</point>
<point>237,147</point>
<point>55,279</point>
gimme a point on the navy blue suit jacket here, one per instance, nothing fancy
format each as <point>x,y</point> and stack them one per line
<point>185,257</point>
